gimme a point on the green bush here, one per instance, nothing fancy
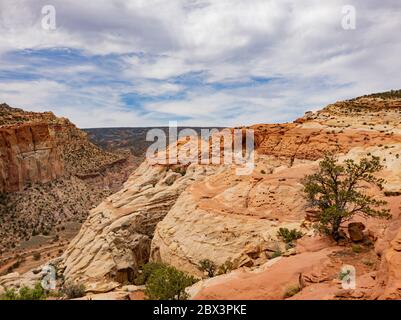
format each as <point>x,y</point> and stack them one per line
<point>181,170</point>
<point>343,274</point>
<point>168,283</point>
<point>72,290</point>
<point>393,94</point>
<point>147,270</point>
<point>276,254</point>
<point>208,266</point>
<point>291,291</point>
<point>226,267</point>
<point>25,293</point>
<point>356,248</point>
<point>392,193</point>
<point>289,235</point>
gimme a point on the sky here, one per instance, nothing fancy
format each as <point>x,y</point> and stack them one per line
<point>127,63</point>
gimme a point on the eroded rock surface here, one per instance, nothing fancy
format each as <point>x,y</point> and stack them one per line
<point>115,239</point>
<point>180,215</point>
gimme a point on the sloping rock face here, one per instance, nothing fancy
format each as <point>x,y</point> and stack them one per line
<point>393,260</point>
<point>221,216</point>
<point>389,276</point>
<point>268,282</point>
<point>229,217</point>
<point>28,154</point>
<point>311,140</point>
<point>39,147</point>
<point>50,177</point>
<point>115,240</point>
<point>183,214</point>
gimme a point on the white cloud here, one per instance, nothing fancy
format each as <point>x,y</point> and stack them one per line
<point>152,88</point>
<point>300,43</point>
<point>33,95</point>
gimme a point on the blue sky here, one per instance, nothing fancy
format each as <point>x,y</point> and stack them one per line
<point>201,63</point>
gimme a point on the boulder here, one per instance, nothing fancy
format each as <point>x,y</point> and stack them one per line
<point>355,231</point>
<point>269,282</point>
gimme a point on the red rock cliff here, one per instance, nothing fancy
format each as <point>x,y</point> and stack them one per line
<point>28,154</point>
<point>39,147</point>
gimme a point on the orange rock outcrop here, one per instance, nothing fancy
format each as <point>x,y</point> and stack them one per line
<point>28,154</point>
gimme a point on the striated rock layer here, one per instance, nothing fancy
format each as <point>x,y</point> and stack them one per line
<point>212,213</point>
<point>28,153</point>
<point>39,147</point>
<point>115,240</point>
<point>50,176</point>
<point>186,213</point>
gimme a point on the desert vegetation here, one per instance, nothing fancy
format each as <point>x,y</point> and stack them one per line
<point>336,189</point>
<point>164,282</point>
<point>25,293</point>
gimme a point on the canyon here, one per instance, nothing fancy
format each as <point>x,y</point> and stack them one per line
<point>51,175</point>
<point>180,214</point>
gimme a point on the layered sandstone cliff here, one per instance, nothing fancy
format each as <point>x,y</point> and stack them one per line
<point>183,214</point>
<point>39,147</point>
<point>115,240</point>
<point>28,153</point>
<point>50,177</point>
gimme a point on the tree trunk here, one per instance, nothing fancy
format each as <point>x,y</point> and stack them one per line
<point>335,231</point>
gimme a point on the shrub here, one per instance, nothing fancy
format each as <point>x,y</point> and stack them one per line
<point>181,170</point>
<point>168,283</point>
<point>3,198</point>
<point>368,263</point>
<point>392,193</point>
<point>276,254</point>
<point>291,291</point>
<point>147,270</point>
<point>289,235</point>
<point>15,265</point>
<point>72,290</point>
<point>226,267</point>
<point>356,248</point>
<point>336,190</point>
<point>36,256</point>
<point>25,293</point>
<point>208,266</point>
<point>343,274</point>
<point>9,294</point>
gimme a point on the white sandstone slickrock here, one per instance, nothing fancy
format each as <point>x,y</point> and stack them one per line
<point>115,240</point>
<point>211,213</point>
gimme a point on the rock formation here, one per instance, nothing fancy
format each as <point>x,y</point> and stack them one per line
<point>28,154</point>
<point>50,175</point>
<point>39,147</point>
<point>181,214</point>
<point>115,240</point>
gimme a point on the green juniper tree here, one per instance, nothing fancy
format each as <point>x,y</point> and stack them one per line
<point>168,283</point>
<point>208,266</point>
<point>337,190</point>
